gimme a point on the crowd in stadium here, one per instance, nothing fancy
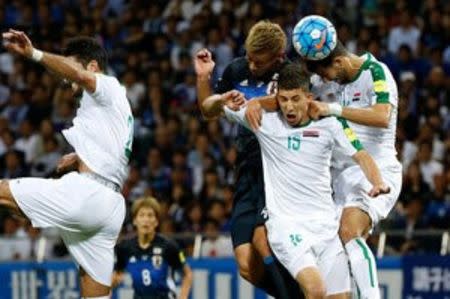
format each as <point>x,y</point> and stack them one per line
<point>177,157</point>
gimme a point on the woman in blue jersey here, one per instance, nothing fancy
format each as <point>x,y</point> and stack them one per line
<point>150,258</point>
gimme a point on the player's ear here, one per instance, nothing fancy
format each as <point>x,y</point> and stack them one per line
<point>338,62</point>
<point>92,66</point>
<point>281,57</point>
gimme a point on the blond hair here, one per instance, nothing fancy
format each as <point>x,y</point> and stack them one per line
<point>266,36</point>
<point>146,202</point>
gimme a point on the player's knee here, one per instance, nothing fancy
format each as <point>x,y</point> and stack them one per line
<point>243,264</point>
<point>5,191</point>
<point>314,290</point>
<point>246,272</point>
<point>246,269</point>
<point>348,232</point>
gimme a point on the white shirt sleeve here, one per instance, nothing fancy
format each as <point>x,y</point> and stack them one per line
<point>237,116</point>
<point>104,89</point>
<point>345,140</point>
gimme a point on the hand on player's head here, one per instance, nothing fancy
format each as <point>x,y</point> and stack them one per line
<point>317,109</point>
<point>233,99</point>
<point>203,62</point>
<point>17,42</point>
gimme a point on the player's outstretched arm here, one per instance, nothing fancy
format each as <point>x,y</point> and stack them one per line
<point>377,115</point>
<point>186,282</point>
<point>253,114</point>
<point>18,42</point>
<point>213,106</point>
<point>204,66</point>
<point>372,172</point>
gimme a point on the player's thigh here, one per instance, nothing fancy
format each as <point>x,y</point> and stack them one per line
<point>243,215</point>
<point>290,247</point>
<point>40,200</point>
<point>354,187</point>
<point>94,250</point>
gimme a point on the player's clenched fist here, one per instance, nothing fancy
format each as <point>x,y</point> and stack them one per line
<point>203,63</point>
<point>18,42</point>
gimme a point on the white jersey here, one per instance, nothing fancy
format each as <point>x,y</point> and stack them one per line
<point>373,84</point>
<point>296,163</point>
<point>102,131</point>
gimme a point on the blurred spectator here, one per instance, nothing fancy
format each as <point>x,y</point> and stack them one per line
<point>13,241</point>
<point>406,33</point>
<point>430,168</point>
<point>190,162</point>
<point>17,110</point>
<point>45,164</point>
<point>214,244</point>
<point>12,163</point>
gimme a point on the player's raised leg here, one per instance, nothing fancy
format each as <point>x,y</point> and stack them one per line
<point>89,288</point>
<point>355,224</point>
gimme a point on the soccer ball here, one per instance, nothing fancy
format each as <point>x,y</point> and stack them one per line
<point>314,37</point>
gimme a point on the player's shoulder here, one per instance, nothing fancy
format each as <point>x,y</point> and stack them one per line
<point>128,244</point>
<point>107,78</point>
<point>238,67</point>
<point>329,123</point>
<point>164,241</point>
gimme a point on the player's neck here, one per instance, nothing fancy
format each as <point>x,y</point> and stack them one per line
<point>304,121</point>
<point>145,240</point>
<point>354,65</point>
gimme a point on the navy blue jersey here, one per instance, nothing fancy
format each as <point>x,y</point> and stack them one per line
<point>152,268</point>
<point>237,76</point>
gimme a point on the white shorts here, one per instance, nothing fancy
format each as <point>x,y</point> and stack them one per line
<point>351,190</point>
<point>89,217</point>
<point>297,252</point>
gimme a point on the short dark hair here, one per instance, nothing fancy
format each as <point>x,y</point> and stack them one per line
<point>339,50</point>
<point>293,76</point>
<point>86,49</point>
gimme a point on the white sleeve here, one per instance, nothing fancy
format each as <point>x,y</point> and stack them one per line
<point>237,116</point>
<point>105,88</point>
<point>345,140</point>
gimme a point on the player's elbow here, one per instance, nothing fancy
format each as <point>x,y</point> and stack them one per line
<point>208,116</point>
<point>384,122</point>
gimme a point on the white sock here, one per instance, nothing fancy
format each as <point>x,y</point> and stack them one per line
<point>363,268</point>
